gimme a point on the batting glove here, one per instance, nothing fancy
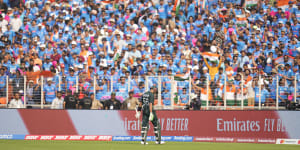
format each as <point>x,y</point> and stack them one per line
<point>137,115</point>
<point>151,117</point>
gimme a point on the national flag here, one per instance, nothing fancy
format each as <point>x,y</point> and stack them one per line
<point>176,6</point>
<point>211,56</point>
<point>251,3</point>
<point>280,60</point>
<point>182,77</point>
<point>117,55</point>
<point>203,4</point>
<point>241,20</point>
<point>283,4</point>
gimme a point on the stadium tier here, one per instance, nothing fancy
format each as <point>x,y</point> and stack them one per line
<point>202,54</point>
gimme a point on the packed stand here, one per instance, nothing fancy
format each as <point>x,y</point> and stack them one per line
<point>204,50</point>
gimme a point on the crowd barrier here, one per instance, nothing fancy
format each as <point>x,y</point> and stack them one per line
<point>186,126</point>
<point>174,92</point>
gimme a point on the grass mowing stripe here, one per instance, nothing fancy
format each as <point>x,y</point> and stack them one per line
<point>97,145</point>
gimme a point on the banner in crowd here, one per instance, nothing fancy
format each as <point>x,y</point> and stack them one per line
<point>216,126</point>
<point>283,3</point>
<point>251,3</point>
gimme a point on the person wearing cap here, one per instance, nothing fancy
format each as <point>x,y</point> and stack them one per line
<point>58,102</point>
<point>49,91</point>
<point>47,65</point>
<point>86,101</point>
<point>70,101</point>
<point>291,9</point>
<point>131,102</point>
<point>74,48</point>
<point>112,103</point>
<point>71,79</point>
<point>146,104</point>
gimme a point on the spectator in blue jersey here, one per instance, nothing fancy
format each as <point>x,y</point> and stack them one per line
<point>184,97</point>
<point>2,83</point>
<point>166,97</point>
<point>140,89</point>
<point>148,37</point>
<point>283,92</point>
<point>71,79</point>
<point>49,91</point>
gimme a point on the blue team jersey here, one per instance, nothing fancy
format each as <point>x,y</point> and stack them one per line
<point>138,90</point>
<point>166,99</point>
<point>184,98</point>
<point>47,66</point>
<point>181,85</point>
<point>71,81</point>
<point>167,83</point>
<point>50,92</point>
<point>282,91</point>
<point>162,11</point>
<point>2,82</point>
<point>123,88</point>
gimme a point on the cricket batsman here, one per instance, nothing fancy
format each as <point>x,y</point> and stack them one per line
<point>146,103</point>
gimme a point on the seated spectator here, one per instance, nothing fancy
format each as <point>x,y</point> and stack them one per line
<point>16,102</point>
<point>58,102</point>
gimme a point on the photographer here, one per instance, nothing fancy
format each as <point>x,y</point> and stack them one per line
<point>195,100</point>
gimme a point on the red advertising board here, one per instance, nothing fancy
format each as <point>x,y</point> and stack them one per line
<point>245,125</point>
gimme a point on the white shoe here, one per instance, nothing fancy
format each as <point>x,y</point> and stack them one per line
<point>143,143</point>
<point>161,142</point>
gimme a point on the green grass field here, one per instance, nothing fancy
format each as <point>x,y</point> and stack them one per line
<point>95,145</point>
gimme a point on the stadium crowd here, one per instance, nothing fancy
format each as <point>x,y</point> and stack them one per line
<point>216,42</point>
